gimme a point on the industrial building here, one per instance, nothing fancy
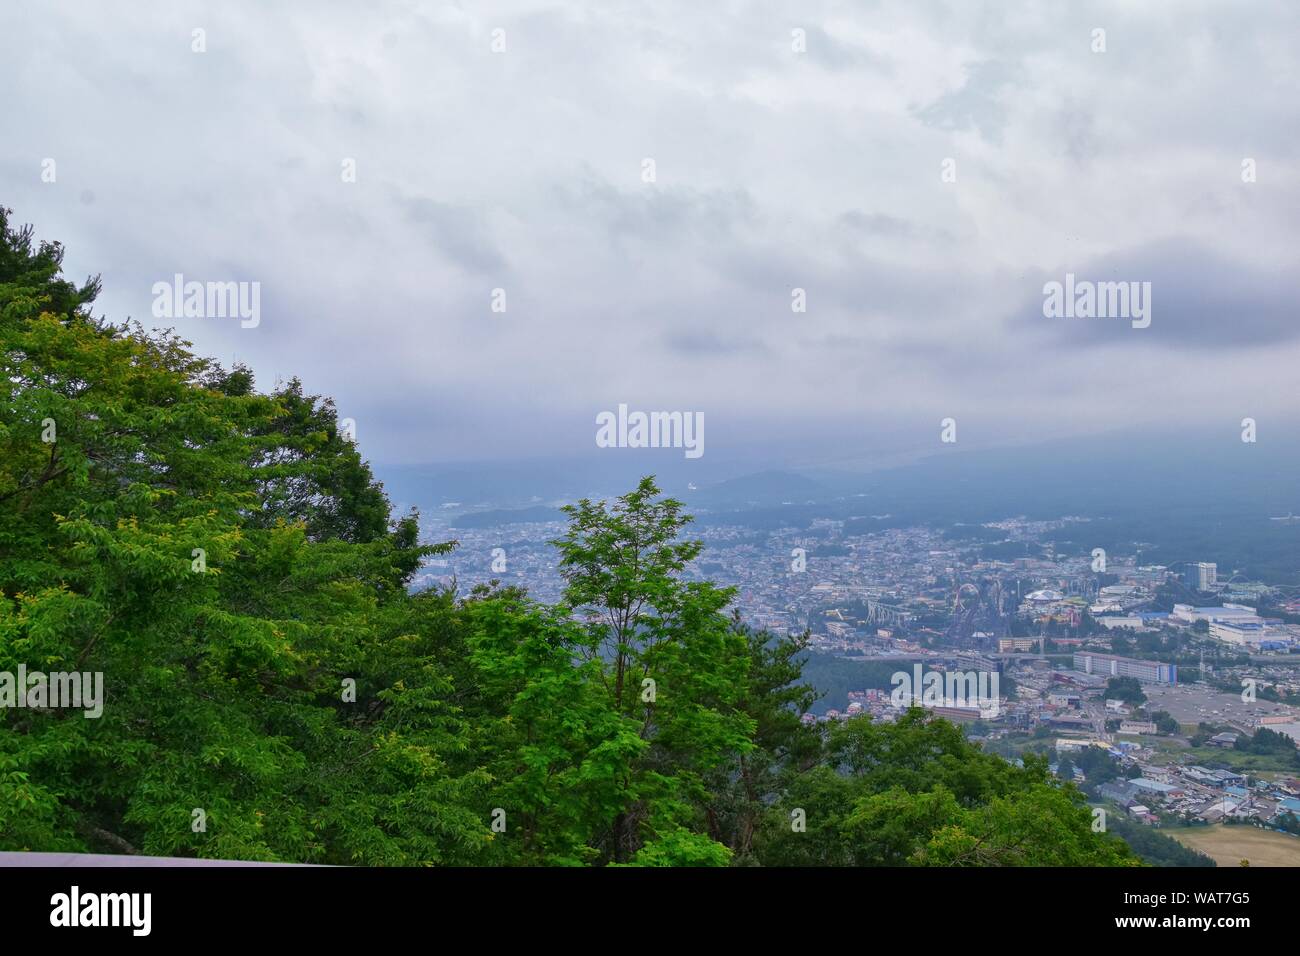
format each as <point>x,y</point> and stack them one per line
<point>1187,614</point>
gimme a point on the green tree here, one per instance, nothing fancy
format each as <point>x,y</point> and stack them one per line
<point>1127,689</point>
<point>1165,722</point>
<point>133,544</point>
<point>667,658</point>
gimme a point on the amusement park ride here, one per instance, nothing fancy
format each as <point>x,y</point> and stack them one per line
<point>978,609</point>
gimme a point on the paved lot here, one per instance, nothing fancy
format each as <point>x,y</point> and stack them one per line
<point>1193,703</point>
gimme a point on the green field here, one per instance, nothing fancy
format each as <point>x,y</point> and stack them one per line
<point>1229,845</point>
<point>1170,751</point>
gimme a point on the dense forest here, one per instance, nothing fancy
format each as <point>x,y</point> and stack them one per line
<point>273,691</point>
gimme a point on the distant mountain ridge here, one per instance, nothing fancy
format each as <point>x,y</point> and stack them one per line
<point>496,517</point>
<point>761,488</point>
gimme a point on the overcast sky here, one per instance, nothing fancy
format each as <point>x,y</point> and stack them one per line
<point>775,169</point>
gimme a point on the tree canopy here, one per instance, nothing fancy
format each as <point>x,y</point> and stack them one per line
<point>273,690</point>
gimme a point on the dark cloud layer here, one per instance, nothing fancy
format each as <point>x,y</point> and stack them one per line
<point>1200,300</point>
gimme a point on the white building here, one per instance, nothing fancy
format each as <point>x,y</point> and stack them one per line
<point>1242,632</point>
<point>1137,727</point>
<point>1188,614</point>
<point>1117,621</point>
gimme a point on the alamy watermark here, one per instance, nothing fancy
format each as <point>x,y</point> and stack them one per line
<point>179,299</point>
<point>75,908</point>
<point>651,430</point>
<point>1085,299</point>
<point>37,690</point>
<point>976,690</point>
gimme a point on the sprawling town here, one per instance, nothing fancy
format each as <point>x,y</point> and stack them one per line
<point>1170,694</point>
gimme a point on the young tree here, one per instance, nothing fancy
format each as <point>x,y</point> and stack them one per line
<point>667,658</point>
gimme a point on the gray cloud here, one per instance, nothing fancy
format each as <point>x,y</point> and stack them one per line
<point>1199,300</point>
<point>522,170</point>
<point>978,103</point>
<point>705,343</point>
<point>458,234</point>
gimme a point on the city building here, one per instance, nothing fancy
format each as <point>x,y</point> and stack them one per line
<point>1213,778</point>
<point>1129,620</point>
<point>979,663</point>
<point>1009,645</point>
<point>1150,672</point>
<point>1137,727</point>
<point>1141,813</point>
<point>1187,614</point>
<point>1202,575</point>
<point>1163,791</point>
<point>1240,631</point>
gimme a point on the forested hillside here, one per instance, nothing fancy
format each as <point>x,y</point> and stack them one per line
<point>273,692</point>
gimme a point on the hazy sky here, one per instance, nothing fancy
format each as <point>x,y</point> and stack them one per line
<point>774,169</point>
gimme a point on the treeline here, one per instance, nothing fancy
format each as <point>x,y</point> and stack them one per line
<point>1154,847</point>
<point>227,561</point>
<point>834,677</point>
